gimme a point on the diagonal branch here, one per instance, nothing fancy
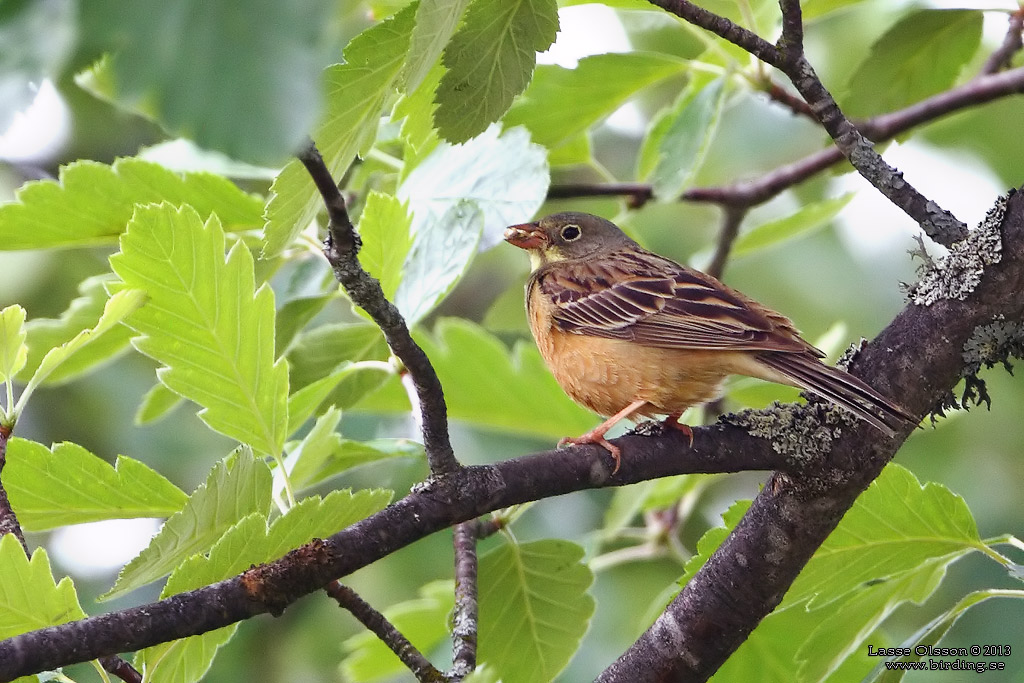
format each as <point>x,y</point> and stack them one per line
<point>788,57</point>
<point>378,624</point>
<point>881,128</point>
<point>436,505</point>
<point>1012,43</point>
<point>341,250</point>
<point>748,575</point>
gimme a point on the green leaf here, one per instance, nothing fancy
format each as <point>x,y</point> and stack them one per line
<point>118,306</point>
<point>70,485</point>
<point>304,402</point>
<point>574,152</point>
<point>440,254</point>
<point>534,608</point>
<point>483,674</point>
<point>896,526</point>
<point>687,139</point>
<point>37,39</point>
<point>250,542</point>
<point>502,173</point>
<point>183,661</point>
<point>598,86</point>
<point>490,60</point>
<point>323,356</point>
<point>769,656</point>
<point>346,454</point>
<point>490,386</point>
<point>435,23</point>
<point>423,621</point>
<point>812,9</point>
<point>932,632</point>
<point>293,316</point>
<point>13,351</point>
<point>236,487</point>
<point>841,631</point>
<point>156,404</point>
<point>205,324</point>
<point>384,228</point>
<point>83,312</point>
<point>29,597</point>
<point>894,546</point>
<point>267,57</point>
<point>91,203</point>
<point>630,501</point>
<point>356,93</point>
<point>308,455</point>
<point>921,55</point>
<point>806,220</point>
<point>713,538</point>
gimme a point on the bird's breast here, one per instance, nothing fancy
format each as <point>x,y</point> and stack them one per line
<point>606,375</point>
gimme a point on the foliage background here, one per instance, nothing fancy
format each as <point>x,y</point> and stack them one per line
<point>842,273</point>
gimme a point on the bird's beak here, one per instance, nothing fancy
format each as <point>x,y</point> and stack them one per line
<point>526,236</point>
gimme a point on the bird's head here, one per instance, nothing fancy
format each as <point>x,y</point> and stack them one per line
<point>566,236</point>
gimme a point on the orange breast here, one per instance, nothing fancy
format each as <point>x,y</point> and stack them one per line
<point>606,375</point>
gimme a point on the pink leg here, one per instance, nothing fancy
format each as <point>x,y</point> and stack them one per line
<point>673,422</point>
<point>596,435</point>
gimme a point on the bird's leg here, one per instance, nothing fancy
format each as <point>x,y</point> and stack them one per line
<point>673,422</point>
<point>596,435</point>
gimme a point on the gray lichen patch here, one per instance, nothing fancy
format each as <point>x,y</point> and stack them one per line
<point>803,433</point>
<point>995,342</point>
<point>956,275</point>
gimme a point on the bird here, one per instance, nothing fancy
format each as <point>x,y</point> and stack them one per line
<point>631,334</point>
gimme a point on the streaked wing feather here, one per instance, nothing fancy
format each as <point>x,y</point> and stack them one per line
<point>656,302</point>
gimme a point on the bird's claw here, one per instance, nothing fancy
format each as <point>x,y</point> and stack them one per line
<point>594,438</point>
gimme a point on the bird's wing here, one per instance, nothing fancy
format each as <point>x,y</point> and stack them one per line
<point>645,298</point>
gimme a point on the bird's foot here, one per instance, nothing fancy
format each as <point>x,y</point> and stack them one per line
<point>672,422</point>
<point>596,436</point>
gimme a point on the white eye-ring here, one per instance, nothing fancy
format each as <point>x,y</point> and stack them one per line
<point>571,232</point>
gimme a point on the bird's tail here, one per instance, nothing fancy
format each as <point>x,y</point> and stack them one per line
<point>842,388</point>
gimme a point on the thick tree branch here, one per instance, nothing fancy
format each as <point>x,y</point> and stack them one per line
<point>378,624</point>
<point>341,250</point>
<point>436,505</point>
<point>751,571</point>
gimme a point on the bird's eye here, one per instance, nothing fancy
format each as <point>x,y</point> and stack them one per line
<point>570,233</point>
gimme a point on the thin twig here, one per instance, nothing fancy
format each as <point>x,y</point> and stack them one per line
<point>732,218</point>
<point>723,28</point>
<point>386,631</point>
<point>879,128</point>
<point>465,622</point>
<point>788,100</point>
<point>119,667</point>
<point>341,249</point>
<point>1000,58</point>
<point>8,520</point>
<point>939,224</point>
<point>638,193</point>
